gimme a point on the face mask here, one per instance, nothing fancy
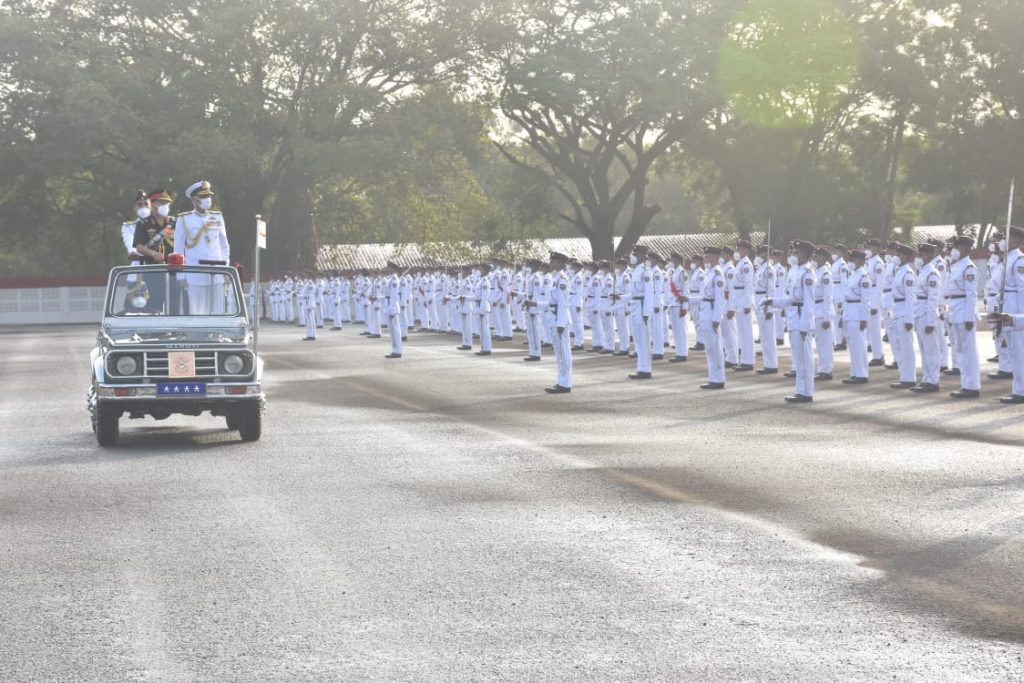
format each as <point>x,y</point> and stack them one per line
<point>792,261</point>
<point>721,260</point>
<point>163,210</point>
<point>758,261</point>
<point>693,267</point>
<point>648,263</point>
<point>143,212</point>
<point>139,302</point>
<point>992,248</point>
<point>205,203</point>
<point>868,254</point>
<point>1002,245</point>
<point>955,254</point>
<point>633,260</point>
<point>993,261</point>
<point>835,257</point>
<point>813,263</point>
<point>736,256</point>
<point>919,262</point>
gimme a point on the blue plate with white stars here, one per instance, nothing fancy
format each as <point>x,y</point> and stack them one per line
<point>180,389</point>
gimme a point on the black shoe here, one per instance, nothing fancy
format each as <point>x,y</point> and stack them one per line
<point>799,398</point>
<point>405,339</point>
<point>578,347</point>
<point>364,334</point>
<point>657,356</point>
<point>729,365</point>
<point>780,342</point>
<point>745,367</point>
<point>605,352</point>
<point>855,380</point>
<point>483,353</point>
<point>791,374</point>
<point>902,385</point>
<point>632,355</point>
<point>545,345</point>
<point>943,368</point>
<point>393,355</point>
<point>677,359</point>
<point>767,371</point>
<point>892,366</point>
<point>925,388</point>
<point>595,349</point>
<point>955,372</point>
<point>640,375</point>
<point>839,347</point>
<point>697,347</point>
<point>877,363</point>
<point>966,393</point>
<point>823,377</point>
<point>463,348</point>
<point>622,353</point>
<point>885,338</point>
<point>532,359</point>
<point>993,359</point>
<point>713,385</point>
<point>558,389</point>
<point>1012,399</point>
<point>335,329</point>
<point>309,339</point>
<point>373,336</point>
<point>1002,374</point>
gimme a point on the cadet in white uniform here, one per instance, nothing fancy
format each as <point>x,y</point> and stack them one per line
<point>856,312</point>
<point>799,305</point>
<point>962,295</point>
<point>482,301</point>
<point>657,321</point>
<point>764,287</point>
<point>679,289</point>
<point>824,312</point>
<point>840,271</point>
<point>642,308</point>
<point>743,291</point>
<point>875,268</point>
<point>200,235</point>
<point>1013,305</point>
<point>534,290</point>
<point>620,298</point>
<point>558,321</point>
<point>904,285</point>
<point>393,308</point>
<point>712,311</point>
<point>693,304</point>
<point>928,296</point>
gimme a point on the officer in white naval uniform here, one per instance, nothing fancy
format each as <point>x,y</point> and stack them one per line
<point>799,306</point>
<point>558,320</point>
<point>712,311</point>
<point>928,296</point>
<point>904,283</point>
<point>962,295</point>
<point>641,299</point>
<point>856,312</point>
<point>393,308</point>
<point>764,287</point>
<point>824,312</point>
<point>1013,305</point>
<point>200,234</point>
<point>743,291</point>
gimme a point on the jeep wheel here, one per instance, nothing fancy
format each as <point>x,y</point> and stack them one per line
<point>106,425</point>
<point>234,420</point>
<point>250,421</point>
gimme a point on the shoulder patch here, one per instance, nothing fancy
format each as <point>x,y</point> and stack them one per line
<point>719,282</point>
<point>647,278</point>
<point>808,281</point>
<point>746,269</point>
<point>932,282</point>
<point>910,282</point>
<point>969,276</point>
<point>825,280</point>
<point>865,284</point>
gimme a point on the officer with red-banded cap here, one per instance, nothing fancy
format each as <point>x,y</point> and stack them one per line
<point>558,321</point>
<point>712,311</point>
<point>798,303</point>
<point>201,235</point>
<point>856,313</point>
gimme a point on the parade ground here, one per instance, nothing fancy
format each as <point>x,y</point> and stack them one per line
<point>439,517</point>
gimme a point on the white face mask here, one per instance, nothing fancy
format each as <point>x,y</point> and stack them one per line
<point>813,263</point>
<point>693,266</point>
<point>139,302</point>
<point>648,263</point>
<point>721,260</point>
<point>919,262</point>
<point>205,203</point>
<point>736,256</point>
<point>163,210</point>
<point>835,257</point>
<point>954,254</point>
<point>527,271</point>
<point>1002,245</point>
<point>868,253</point>
<point>793,261</point>
<point>633,260</point>
<point>758,261</point>
<point>143,212</point>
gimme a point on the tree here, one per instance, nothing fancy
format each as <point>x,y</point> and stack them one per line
<point>599,91</point>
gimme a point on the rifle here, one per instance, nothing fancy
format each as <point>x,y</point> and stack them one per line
<point>1006,261</point>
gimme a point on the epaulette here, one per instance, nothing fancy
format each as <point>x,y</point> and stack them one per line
<point>186,213</point>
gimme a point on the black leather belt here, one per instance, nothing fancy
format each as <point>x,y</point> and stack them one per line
<point>853,301</point>
<point>958,296</point>
<point>899,301</point>
<point>819,301</point>
<point>757,292</point>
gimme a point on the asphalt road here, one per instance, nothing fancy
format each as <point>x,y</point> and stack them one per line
<point>439,518</point>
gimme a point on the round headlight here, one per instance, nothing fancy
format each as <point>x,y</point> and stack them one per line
<point>126,365</point>
<point>234,364</point>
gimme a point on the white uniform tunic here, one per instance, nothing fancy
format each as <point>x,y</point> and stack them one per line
<point>203,237</point>
<point>962,298</point>
<point>712,311</point>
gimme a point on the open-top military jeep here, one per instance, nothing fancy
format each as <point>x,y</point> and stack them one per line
<point>175,340</point>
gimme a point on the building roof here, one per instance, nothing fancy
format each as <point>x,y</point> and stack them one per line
<point>436,255</point>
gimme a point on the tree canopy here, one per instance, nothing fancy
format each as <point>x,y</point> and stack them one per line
<point>410,120</point>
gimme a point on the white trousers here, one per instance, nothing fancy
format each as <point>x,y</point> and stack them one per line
<point>906,357</point>
<point>931,352</point>
<point>967,346</point>
<point>857,343</point>
<point>803,361</point>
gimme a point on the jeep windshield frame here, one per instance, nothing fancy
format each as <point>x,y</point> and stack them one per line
<point>162,292</point>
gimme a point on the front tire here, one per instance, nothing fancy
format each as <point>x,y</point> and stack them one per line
<point>106,424</point>
<point>250,421</point>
